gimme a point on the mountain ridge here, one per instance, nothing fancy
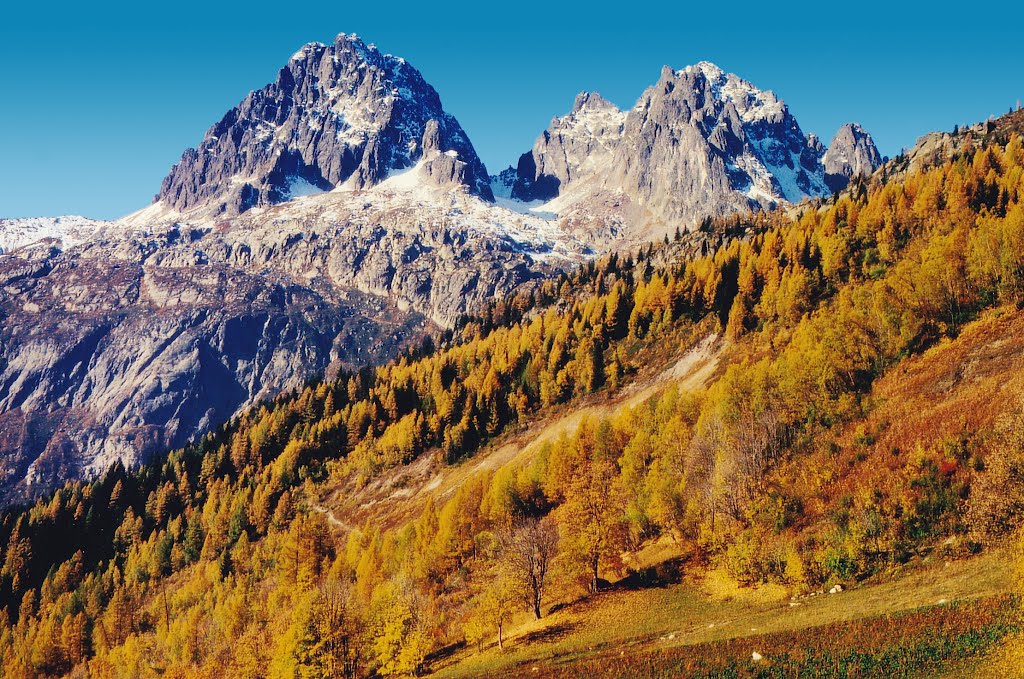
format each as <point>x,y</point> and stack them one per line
<point>700,142</point>
<point>331,218</point>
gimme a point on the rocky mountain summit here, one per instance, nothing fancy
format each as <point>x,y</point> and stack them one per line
<point>337,114</point>
<point>852,153</point>
<point>700,142</point>
<point>576,146</point>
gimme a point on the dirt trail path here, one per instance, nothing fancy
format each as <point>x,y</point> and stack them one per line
<point>331,518</point>
<point>692,372</point>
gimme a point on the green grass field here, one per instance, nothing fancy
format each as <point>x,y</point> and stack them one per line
<point>936,614</point>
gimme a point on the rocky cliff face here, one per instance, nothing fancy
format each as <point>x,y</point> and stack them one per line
<point>575,147</point>
<point>702,142</point>
<point>116,350</point>
<point>337,114</point>
<point>852,153</point>
<point>699,143</point>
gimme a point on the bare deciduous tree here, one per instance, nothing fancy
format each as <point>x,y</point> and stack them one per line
<point>528,551</point>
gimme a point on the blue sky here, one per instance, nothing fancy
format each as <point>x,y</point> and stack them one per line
<point>99,100</point>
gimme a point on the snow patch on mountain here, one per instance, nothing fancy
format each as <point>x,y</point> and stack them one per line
<point>65,232</point>
<point>297,187</point>
<point>530,228</point>
<point>751,103</point>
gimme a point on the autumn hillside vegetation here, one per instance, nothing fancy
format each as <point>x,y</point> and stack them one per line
<point>869,414</point>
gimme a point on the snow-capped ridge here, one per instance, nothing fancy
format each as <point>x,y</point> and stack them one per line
<point>307,49</point>
<point>751,102</point>
<point>592,101</point>
<point>710,70</point>
<point>65,232</point>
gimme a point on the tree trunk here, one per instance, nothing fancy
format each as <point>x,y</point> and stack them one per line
<point>501,643</point>
<point>167,609</point>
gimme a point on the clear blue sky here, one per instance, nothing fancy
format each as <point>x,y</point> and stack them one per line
<point>98,101</point>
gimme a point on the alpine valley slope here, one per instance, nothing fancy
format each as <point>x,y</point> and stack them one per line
<point>330,218</point>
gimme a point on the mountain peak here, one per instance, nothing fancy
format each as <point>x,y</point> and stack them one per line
<point>593,101</point>
<point>308,50</point>
<point>852,153</point>
<point>710,70</point>
<point>568,150</point>
<point>751,102</point>
<point>337,114</point>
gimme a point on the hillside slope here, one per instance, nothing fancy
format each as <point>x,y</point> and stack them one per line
<point>399,495</point>
<point>664,628</point>
<point>960,390</point>
<point>860,420</point>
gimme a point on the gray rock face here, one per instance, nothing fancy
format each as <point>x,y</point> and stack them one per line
<point>503,182</point>
<point>445,167</point>
<point>852,153</point>
<point>117,350</point>
<point>705,143</point>
<point>143,339</point>
<point>574,147</point>
<point>343,113</point>
<point>438,255</point>
<point>698,143</point>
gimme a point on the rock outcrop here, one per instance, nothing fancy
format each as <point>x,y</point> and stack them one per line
<point>852,153</point>
<point>703,143</point>
<point>575,147</point>
<point>118,350</point>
